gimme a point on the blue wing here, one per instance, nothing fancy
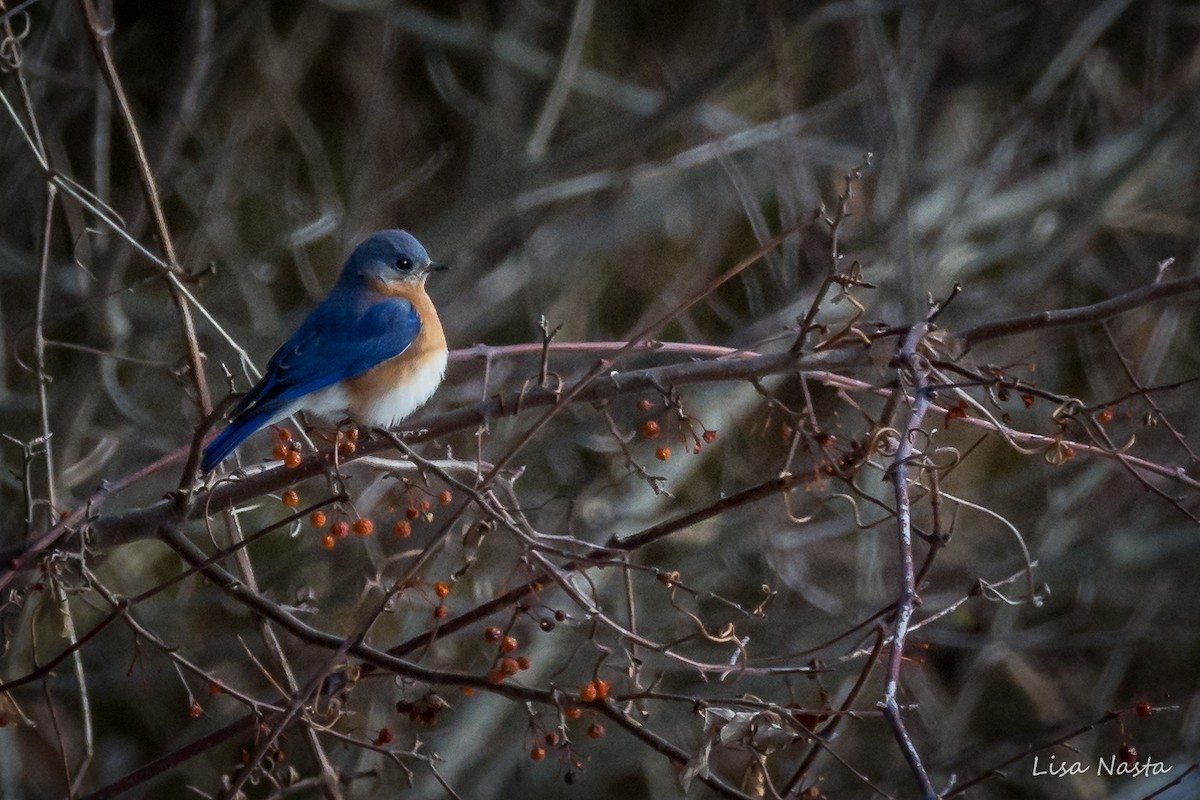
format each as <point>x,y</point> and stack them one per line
<point>346,335</point>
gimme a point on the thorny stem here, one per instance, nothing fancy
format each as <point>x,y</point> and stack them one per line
<point>906,602</point>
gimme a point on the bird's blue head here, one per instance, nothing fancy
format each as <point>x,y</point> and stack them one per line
<point>387,261</point>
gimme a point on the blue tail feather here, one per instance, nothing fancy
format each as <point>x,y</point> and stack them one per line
<point>236,433</point>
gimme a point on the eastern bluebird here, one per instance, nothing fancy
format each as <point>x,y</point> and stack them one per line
<point>372,351</point>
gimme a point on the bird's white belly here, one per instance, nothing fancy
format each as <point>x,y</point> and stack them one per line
<point>385,407</point>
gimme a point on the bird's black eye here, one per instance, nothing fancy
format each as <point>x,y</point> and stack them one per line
<point>403,263</point>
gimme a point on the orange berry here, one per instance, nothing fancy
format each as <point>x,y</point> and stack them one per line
<point>508,644</point>
<point>495,676</point>
<point>327,541</point>
<point>364,526</point>
<point>663,454</point>
<point>279,451</point>
<point>710,436</point>
<point>292,459</point>
<point>214,689</point>
<point>340,529</point>
<point>588,693</point>
<point>826,440</point>
<point>195,710</point>
<point>317,518</point>
<point>412,513</point>
<point>552,738</point>
<point>572,712</point>
<point>283,434</point>
<point>537,753</point>
<point>1144,709</point>
<point>1105,415</point>
<point>785,431</point>
<point>347,448</point>
<point>595,730</point>
<point>645,404</point>
<point>523,662</point>
<point>492,634</point>
<point>445,497</point>
<point>425,505</point>
<point>602,688</point>
<point>509,666</point>
<point>441,612</point>
<point>1027,399</point>
<point>441,588</point>
<point>650,429</point>
<point>290,498</point>
<point>352,434</point>
<point>403,529</point>
<point>467,691</point>
<point>696,450</point>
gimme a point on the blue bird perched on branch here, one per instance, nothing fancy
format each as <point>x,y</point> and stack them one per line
<point>372,351</point>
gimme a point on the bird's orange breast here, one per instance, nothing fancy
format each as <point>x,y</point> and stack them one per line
<point>393,389</point>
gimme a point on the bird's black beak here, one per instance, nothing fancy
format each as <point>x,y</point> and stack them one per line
<point>434,267</point>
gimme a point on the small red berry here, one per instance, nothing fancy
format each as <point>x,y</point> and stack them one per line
<point>595,730</point>
<point>509,666</point>
<point>403,529</point>
<point>602,688</point>
<point>826,440</point>
<point>347,448</point>
<point>1144,709</point>
<point>292,459</point>
<point>560,615</point>
<point>195,709</point>
<point>340,529</point>
<point>467,691</point>
<point>327,541</point>
<point>785,431</point>
<point>552,738</point>
<point>364,526</point>
<point>537,753</point>
<point>663,454</point>
<point>572,712</point>
<point>411,512</point>
<point>279,451</point>
<point>588,693</point>
<point>645,404</point>
<point>508,644</point>
<point>710,436</point>
<point>445,497</point>
<point>317,518</point>
<point>1105,415</point>
<point>1129,755</point>
<point>384,737</point>
<point>425,505</point>
<point>441,612</point>
<point>1027,399</point>
<point>215,689</point>
<point>650,429</point>
<point>524,662</point>
<point>441,588</point>
<point>495,676</point>
<point>492,634</point>
<point>283,435</point>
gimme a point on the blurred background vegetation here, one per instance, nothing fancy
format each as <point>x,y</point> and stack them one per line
<point>597,163</point>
